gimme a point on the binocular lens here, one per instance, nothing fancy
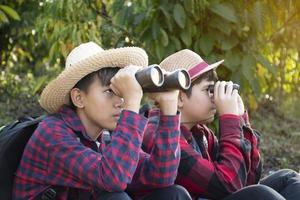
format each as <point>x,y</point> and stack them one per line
<point>211,88</point>
<point>150,77</point>
<point>236,87</point>
<point>156,76</point>
<point>184,79</point>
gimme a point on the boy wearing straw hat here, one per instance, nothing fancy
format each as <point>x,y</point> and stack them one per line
<point>89,145</point>
<point>211,168</point>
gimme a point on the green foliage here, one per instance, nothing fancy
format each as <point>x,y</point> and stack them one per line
<point>249,36</point>
<point>257,40</point>
<point>5,12</point>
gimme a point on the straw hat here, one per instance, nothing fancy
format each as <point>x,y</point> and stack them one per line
<point>83,60</point>
<point>190,61</point>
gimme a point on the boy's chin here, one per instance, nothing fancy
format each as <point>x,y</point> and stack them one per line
<point>111,127</point>
<point>208,120</point>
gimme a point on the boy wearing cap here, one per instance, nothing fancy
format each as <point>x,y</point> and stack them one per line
<point>211,168</point>
<point>71,155</point>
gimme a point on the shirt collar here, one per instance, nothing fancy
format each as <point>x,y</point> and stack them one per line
<point>187,134</point>
<point>195,130</point>
<point>72,120</point>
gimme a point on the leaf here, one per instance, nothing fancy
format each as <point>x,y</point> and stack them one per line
<point>222,25</point>
<point>38,85</point>
<point>248,70</point>
<point>176,41</point>
<point>196,45</point>
<point>206,44</point>
<point>164,38</point>
<point>229,43</point>
<point>265,63</point>
<point>3,18</point>
<point>232,60</point>
<point>170,49</point>
<point>158,51</point>
<point>258,15</point>
<point>185,36</point>
<point>155,30</point>
<point>53,49</point>
<point>248,66</point>
<point>189,5</point>
<point>138,18</point>
<point>168,17</point>
<point>165,12</point>
<point>145,33</point>
<point>224,11</point>
<point>179,15</point>
<point>252,102</point>
<point>11,12</point>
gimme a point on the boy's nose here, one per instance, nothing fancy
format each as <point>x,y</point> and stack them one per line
<point>212,99</point>
<point>119,101</point>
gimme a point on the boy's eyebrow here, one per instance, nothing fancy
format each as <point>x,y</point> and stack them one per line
<point>208,84</point>
<point>105,88</point>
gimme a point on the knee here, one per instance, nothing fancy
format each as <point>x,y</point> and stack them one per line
<point>288,172</point>
<point>265,192</point>
<point>112,196</point>
<point>121,195</point>
<point>179,192</point>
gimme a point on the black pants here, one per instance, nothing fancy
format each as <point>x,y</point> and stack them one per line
<point>103,195</point>
<point>174,192</point>
<point>286,182</point>
<point>283,184</point>
<point>257,192</point>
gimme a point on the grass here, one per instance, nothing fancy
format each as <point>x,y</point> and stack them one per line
<point>280,144</point>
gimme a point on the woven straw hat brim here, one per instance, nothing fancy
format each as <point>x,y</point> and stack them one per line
<point>56,93</point>
<point>186,59</point>
<point>206,69</point>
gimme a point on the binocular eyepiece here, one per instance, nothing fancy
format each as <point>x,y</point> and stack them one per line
<point>152,79</point>
<point>235,86</point>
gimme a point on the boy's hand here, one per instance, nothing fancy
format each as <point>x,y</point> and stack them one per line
<point>167,101</point>
<point>125,85</point>
<point>226,101</point>
<point>241,106</point>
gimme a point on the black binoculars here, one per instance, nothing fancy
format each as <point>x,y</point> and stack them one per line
<point>152,79</point>
<point>235,86</point>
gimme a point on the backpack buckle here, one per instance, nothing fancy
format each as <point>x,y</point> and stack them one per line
<point>49,194</point>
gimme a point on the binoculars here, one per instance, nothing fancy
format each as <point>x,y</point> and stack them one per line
<point>152,79</point>
<point>234,87</point>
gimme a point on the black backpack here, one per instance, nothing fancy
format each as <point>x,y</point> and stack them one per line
<point>13,138</point>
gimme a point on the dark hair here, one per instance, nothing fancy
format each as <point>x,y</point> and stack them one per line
<point>103,74</point>
<point>210,75</point>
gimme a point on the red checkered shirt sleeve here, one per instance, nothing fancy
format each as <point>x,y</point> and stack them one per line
<point>55,156</point>
<point>227,173</point>
<point>159,168</point>
<point>253,136</point>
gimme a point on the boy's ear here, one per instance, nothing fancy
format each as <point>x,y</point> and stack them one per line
<point>181,97</point>
<point>76,97</point>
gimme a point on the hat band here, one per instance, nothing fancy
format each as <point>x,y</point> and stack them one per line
<point>197,69</point>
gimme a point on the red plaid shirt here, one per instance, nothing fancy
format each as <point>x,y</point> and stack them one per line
<point>61,154</point>
<point>213,169</point>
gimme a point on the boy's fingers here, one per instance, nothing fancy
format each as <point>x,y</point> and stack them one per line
<point>216,88</point>
<point>114,89</point>
<point>133,68</point>
<point>222,89</point>
<point>229,86</point>
<point>235,93</point>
